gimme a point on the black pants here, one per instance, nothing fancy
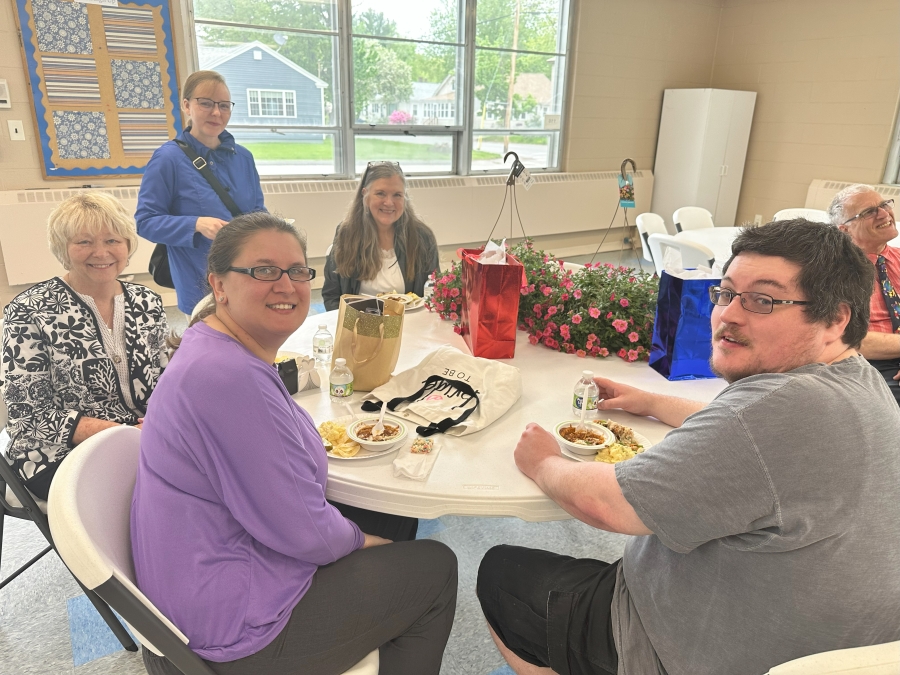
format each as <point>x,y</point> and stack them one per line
<point>399,598</point>
<point>551,610</point>
<point>888,368</point>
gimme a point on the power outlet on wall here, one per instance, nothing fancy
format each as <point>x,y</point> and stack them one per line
<point>757,219</point>
<point>16,130</point>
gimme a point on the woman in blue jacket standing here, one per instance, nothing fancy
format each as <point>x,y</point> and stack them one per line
<point>176,205</point>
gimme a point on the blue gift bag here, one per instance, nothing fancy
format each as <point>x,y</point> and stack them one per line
<point>682,338</point>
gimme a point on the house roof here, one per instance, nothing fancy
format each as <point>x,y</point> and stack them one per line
<point>213,57</point>
<point>536,84</point>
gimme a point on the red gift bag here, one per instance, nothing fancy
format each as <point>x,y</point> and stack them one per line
<point>490,304</point>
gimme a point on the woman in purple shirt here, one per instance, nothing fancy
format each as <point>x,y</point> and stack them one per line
<point>232,536</point>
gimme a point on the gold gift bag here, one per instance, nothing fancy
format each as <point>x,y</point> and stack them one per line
<point>370,343</point>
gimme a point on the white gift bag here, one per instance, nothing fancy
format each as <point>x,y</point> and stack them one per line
<point>450,392</point>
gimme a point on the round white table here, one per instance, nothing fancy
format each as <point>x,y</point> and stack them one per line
<point>718,239</point>
<point>476,474</point>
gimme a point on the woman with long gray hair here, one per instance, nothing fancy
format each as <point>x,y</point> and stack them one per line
<point>381,246</point>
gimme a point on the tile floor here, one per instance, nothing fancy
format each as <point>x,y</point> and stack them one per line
<point>47,626</point>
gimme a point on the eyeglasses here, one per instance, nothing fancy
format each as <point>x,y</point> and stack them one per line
<point>758,303</point>
<point>379,163</point>
<point>272,273</point>
<point>887,206</point>
<point>207,104</point>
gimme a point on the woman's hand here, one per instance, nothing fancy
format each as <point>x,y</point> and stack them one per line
<point>372,540</point>
<point>209,227</point>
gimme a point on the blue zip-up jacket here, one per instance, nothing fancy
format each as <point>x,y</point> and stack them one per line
<point>174,194</point>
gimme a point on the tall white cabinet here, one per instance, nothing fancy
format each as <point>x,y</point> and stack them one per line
<point>703,136</point>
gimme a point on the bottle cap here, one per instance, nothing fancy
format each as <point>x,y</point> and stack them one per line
<point>340,362</point>
<point>322,325</point>
<point>587,373</point>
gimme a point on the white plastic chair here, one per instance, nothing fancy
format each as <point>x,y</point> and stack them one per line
<point>692,255</point>
<point>572,267</point>
<point>647,224</point>
<point>815,215</point>
<point>692,218</point>
<point>875,660</point>
<point>90,514</point>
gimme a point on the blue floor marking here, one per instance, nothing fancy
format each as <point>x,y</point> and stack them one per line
<point>91,637</point>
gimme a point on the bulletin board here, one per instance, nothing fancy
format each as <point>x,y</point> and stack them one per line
<point>103,83</point>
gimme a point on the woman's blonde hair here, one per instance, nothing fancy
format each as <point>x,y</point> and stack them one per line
<point>195,79</point>
<point>88,212</point>
<point>357,253</point>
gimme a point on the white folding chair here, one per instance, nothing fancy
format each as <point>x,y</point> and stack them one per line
<point>874,660</point>
<point>691,254</point>
<point>815,215</point>
<point>572,267</point>
<point>647,224</point>
<point>90,518</point>
<point>692,218</point>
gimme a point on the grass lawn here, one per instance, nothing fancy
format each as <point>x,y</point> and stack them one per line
<point>365,147</point>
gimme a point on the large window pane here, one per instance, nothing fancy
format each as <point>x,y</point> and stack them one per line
<point>535,151</point>
<point>436,20</point>
<point>299,67</point>
<point>416,154</point>
<point>516,91</point>
<point>531,25</point>
<point>284,152</point>
<point>405,83</point>
<point>308,14</point>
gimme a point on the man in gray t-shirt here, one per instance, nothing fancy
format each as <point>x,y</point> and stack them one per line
<point>767,522</point>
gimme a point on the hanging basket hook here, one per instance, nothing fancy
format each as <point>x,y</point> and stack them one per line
<point>625,161</point>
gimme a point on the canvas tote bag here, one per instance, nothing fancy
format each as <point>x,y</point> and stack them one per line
<point>450,392</point>
<point>370,343</point>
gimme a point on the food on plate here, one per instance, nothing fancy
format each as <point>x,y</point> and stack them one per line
<point>422,446</point>
<point>336,440</point>
<point>404,298</point>
<point>364,432</point>
<point>582,437</point>
<point>625,447</point>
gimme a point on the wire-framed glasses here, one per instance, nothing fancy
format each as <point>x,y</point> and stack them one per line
<point>272,273</point>
<point>378,163</point>
<point>887,205</point>
<point>208,104</point>
<point>758,303</point>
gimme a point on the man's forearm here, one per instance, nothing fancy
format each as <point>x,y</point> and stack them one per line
<point>880,346</point>
<point>672,410</point>
<point>590,493</point>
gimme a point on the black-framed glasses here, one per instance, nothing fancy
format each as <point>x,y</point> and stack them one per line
<point>272,273</point>
<point>758,303</point>
<point>379,163</point>
<point>208,104</point>
<point>887,205</point>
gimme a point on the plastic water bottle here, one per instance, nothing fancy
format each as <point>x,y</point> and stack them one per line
<point>585,388</point>
<point>340,384</point>
<point>323,345</point>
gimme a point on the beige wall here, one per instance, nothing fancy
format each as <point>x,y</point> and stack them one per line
<point>625,55</point>
<point>827,73</point>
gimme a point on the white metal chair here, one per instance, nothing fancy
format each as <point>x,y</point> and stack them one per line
<point>692,255</point>
<point>647,224</point>
<point>90,514</point>
<point>692,218</point>
<point>815,215</point>
<point>875,660</point>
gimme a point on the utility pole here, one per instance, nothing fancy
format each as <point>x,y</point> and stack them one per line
<point>512,75</point>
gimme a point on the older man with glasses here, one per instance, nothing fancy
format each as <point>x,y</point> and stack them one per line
<point>765,524</point>
<point>860,211</point>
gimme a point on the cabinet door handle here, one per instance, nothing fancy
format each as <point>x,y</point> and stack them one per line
<point>723,171</point>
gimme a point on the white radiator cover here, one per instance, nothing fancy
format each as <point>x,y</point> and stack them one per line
<point>460,210</point>
<point>821,192</point>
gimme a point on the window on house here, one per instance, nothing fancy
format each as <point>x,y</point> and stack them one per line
<point>271,103</point>
<point>391,54</point>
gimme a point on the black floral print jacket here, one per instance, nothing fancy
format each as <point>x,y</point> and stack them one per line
<point>55,368</point>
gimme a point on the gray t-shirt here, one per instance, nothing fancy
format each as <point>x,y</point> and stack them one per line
<point>776,513</point>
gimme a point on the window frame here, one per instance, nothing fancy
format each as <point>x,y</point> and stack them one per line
<point>345,129</point>
<point>284,103</point>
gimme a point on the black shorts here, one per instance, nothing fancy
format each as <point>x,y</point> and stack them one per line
<point>551,610</point>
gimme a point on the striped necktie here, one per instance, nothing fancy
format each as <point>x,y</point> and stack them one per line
<point>890,295</point>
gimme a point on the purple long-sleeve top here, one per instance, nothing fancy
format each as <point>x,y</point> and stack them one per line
<point>229,520</point>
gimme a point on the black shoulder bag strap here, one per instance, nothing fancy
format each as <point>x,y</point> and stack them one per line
<point>200,164</point>
<point>430,384</point>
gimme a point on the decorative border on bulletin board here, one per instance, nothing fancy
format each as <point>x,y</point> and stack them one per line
<point>104,85</point>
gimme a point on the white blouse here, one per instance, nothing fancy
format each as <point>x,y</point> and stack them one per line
<point>389,278</point>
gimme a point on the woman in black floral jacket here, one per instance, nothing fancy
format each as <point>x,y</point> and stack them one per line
<point>81,352</point>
